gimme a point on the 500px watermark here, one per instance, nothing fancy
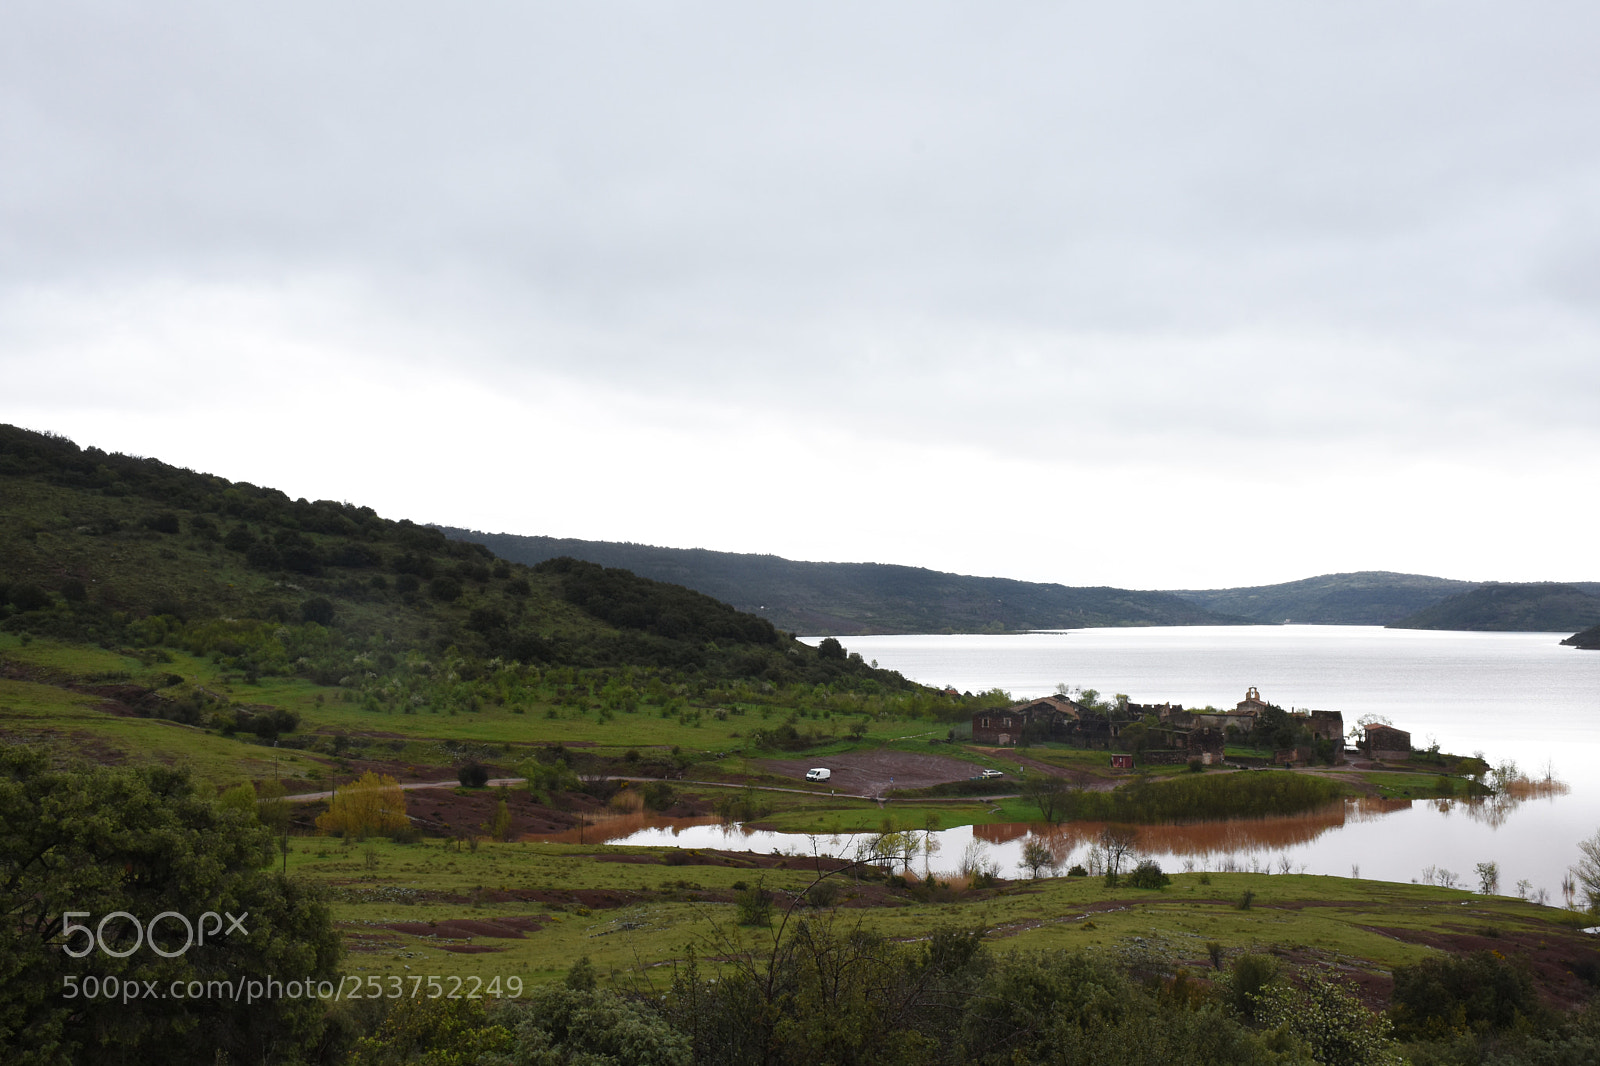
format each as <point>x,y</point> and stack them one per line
<point>257,989</point>
<point>145,934</point>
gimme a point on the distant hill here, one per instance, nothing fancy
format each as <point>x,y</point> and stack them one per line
<point>1542,607</point>
<point>855,598</point>
<point>1589,639</point>
<point>1365,598</point>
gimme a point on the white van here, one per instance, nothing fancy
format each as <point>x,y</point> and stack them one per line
<point>820,773</point>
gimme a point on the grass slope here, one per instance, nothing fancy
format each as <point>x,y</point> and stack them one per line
<point>528,909</point>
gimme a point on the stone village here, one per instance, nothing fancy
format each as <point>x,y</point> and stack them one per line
<point>1155,734</point>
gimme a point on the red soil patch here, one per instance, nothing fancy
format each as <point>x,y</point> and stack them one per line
<point>1554,957</point>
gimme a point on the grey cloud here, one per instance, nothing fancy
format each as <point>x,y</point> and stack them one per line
<point>1324,214</point>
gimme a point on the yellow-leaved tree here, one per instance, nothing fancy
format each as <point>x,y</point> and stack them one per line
<point>372,803</point>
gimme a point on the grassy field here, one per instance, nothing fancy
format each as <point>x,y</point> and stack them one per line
<point>635,911</point>
<point>718,742</point>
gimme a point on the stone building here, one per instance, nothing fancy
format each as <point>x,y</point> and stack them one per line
<point>1385,742</point>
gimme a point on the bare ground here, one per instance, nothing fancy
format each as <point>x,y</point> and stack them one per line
<point>871,773</point>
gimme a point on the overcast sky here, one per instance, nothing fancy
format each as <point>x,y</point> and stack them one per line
<point>1158,295</point>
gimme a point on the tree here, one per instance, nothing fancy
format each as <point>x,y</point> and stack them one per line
<point>1330,1019</point>
<point>499,826</point>
<point>373,803</point>
<point>1036,857</point>
<point>830,648</point>
<point>1587,871</point>
<point>78,843</point>
<point>318,609</point>
<point>1488,877</point>
<point>1051,794</point>
<point>1116,844</point>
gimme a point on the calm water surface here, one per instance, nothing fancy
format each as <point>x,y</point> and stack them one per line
<point>1517,696</point>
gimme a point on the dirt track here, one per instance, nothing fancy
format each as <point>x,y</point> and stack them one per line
<point>869,773</point>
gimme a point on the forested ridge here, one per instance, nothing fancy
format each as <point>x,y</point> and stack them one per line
<point>120,550</point>
<point>853,598</point>
<point>1543,606</point>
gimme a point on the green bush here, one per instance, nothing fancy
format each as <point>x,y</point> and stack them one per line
<point>755,905</point>
<point>1148,875</point>
<point>658,795</point>
<point>1446,994</point>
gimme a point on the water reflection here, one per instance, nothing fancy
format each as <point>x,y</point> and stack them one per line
<point>612,826</point>
<point>1494,810</point>
<point>1392,839</point>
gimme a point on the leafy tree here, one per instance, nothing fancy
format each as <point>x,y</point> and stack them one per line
<point>240,798</point>
<point>373,803</point>
<point>1444,994</point>
<point>1328,1017</point>
<point>94,840</point>
<point>318,609</point>
<point>445,589</point>
<point>830,648</point>
<point>436,1032</point>
<point>1249,975</point>
<point>577,1024</point>
<point>28,597</point>
<point>499,825</point>
<point>473,774</point>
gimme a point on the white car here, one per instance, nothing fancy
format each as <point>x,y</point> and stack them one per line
<point>987,774</point>
<point>820,773</point>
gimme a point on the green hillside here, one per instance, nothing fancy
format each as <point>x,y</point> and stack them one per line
<point>1538,607</point>
<point>133,592</point>
<point>1365,598</point>
<point>854,598</point>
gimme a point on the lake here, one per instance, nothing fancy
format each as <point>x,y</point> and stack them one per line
<point>1513,696</point>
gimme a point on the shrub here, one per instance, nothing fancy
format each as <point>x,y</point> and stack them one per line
<point>1077,871</point>
<point>1148,875</point>
<point>658,795</point>
<point>318,609</point>
<point>824,893</point>
<point>473,774</point>
<point>755,905</point>
<point>1248,976</point>
<point>1444,993</point>
<point>27,597</point>
<point>1247,899</point>
<point>445,589</point>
